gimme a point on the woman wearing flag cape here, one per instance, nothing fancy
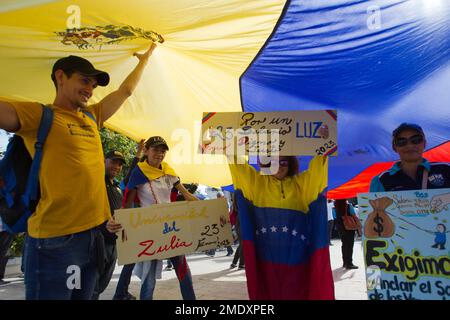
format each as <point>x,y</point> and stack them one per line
<point>284,229</point>
<point>151,181</point>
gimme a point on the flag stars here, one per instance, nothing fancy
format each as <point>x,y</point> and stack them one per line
<point>274,229</point>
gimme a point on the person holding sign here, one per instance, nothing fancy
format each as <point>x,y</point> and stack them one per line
<point>152,181</point>
<point>412,172</point>
<point>403,261</point>
<point>283,220</point>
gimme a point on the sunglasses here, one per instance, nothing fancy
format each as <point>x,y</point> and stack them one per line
<point>282,163</point>
<point>415,139</point>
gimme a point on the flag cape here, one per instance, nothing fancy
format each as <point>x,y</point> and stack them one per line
<point>284,233</point>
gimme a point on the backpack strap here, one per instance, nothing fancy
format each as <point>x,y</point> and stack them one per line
<point>33,177</point>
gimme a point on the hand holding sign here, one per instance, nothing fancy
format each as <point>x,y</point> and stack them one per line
<point>324,132</point>
<point>112,226</point>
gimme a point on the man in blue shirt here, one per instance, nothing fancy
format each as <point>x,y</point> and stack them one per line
<point>410,173</point>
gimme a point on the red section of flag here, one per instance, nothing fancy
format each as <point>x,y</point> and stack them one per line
<point>208,116</point>
<point>332,114</point>
<point>361,183</point>
<point>272,281</point>
<point>182,268</point>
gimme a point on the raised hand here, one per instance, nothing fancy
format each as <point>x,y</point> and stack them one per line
<point>147,54</point>
<point>323,131</point>
<point>140,148</point>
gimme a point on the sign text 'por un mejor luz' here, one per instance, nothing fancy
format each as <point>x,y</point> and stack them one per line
<point>289,133</point>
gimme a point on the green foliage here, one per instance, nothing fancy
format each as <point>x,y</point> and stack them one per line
<point>16,248</point>
<point>118,142</point>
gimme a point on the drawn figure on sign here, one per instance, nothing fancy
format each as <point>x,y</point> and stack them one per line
<point>441,237</point>
<point>378,223</point>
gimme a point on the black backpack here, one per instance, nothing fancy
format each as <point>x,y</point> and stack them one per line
<point>19,177</point>
<point>19,189</point>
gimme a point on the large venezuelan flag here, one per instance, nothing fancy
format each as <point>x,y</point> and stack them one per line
<point>284,232</point>
<point>366,59</point>
<point>207,47</point>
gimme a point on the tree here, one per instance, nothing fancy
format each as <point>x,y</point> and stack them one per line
<point>118,142</point>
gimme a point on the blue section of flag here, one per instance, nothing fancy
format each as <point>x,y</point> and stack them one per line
<point>137,177</point>
<point>281,235</point>
<point>379,63</point>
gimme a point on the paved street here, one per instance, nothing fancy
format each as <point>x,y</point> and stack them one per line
<point>213,280</point>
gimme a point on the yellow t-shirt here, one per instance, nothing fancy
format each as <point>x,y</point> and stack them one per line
<point>294,193</point>
<point>72,171</point>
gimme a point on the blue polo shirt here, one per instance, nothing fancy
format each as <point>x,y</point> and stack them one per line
<point>395,179</point>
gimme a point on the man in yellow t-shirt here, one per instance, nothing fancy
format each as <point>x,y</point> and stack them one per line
<point>63,236</point>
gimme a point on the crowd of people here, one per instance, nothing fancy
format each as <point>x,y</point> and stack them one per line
<point>74,221</point>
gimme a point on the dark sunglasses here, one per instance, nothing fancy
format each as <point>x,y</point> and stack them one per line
<point>282,163</point>
<point>415,139</point>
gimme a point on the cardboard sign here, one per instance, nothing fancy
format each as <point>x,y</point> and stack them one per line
<point>405,246</point>
<point>290,133</point>
<point>162,231</point>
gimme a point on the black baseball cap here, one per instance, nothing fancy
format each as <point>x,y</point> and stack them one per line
<point>81,65</point>
<point>156,141</point>
<point>115,155</point>
<point>407,126</point>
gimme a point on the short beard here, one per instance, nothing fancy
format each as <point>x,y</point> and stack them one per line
<point>81,106</point>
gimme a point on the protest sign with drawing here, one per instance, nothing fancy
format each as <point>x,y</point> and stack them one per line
<point>166,230</point>
<point>405,244</point>
<point>289,133</point>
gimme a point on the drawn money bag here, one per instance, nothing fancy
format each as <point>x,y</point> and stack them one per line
<point>378,223</point>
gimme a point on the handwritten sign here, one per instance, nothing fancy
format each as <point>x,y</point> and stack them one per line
<point>405,244</point>
<point>288,133</point>
<point>162,231</point>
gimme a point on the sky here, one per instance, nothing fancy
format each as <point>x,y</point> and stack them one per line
<point>3,140</point>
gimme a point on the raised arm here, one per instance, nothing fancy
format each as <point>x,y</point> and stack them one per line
<point>135,161</point>
<point>9,120</point>
<point>113,101</point>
